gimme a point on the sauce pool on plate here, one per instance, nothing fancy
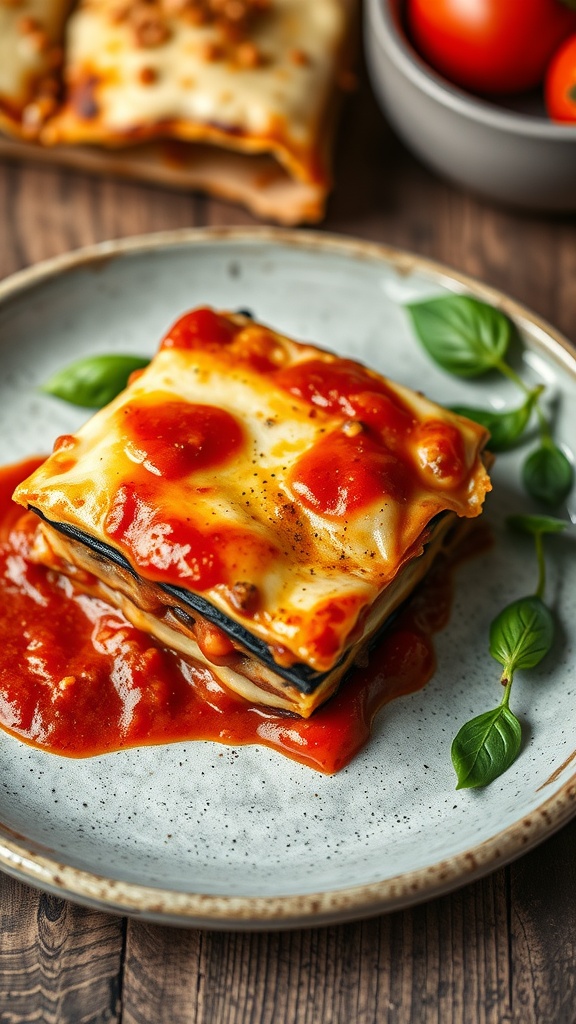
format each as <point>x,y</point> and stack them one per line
<point>77,679</point>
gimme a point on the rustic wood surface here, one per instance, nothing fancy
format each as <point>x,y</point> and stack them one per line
<point>501,950</point>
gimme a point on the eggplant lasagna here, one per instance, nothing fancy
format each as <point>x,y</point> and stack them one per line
<point>259,505</point>
<point>244,90</point>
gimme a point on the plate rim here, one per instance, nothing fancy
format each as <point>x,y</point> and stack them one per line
<point>189,909</point>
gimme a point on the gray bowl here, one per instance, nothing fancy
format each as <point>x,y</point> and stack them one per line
<point>516,158</point>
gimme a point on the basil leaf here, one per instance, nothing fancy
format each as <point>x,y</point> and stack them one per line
<point>95,381</point>
<point>548,475</point>
<point>505,427</point>
<point>537,524</point>
<point>485,747</point>
<point>463,335</point>
<point>522,634</point>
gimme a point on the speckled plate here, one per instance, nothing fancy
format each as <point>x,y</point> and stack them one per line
<point>201,834</point>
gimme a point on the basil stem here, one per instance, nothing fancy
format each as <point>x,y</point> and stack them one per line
<point>94,381</point>
<point>463,335</point>
<point>538,526</point>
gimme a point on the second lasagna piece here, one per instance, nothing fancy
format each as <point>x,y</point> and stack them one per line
<point>260,505</point>
<point>246,76</point>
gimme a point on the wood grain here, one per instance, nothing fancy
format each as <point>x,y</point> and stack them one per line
<point>58,964</point>
<point>44,212</point>
<point>501,951</point>
<point>446,961</point>
<point>543,932</point>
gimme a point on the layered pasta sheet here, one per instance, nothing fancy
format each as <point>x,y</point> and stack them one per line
<point>259,504</point>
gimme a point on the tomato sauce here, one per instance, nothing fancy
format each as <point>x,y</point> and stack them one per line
<point>78,680</point>
<point>171,438</point>
<point>204,330</point>
<point>201,328</point>
<point>342,474</point>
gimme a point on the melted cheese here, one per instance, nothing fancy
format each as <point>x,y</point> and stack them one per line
<point>192,87</point>
<point>286,486</point>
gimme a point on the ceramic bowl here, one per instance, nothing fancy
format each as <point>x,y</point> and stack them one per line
<point>515,157</point>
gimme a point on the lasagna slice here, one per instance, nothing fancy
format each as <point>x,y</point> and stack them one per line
<point>31,34</point>
<point>252,77</point>
<point>259,505</point>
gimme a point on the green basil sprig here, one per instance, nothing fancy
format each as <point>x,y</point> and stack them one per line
<point>463,335</point>
<point>520,636</point>
<point>468,338</point>
<point>547,473</point>
<point>538,526</point>
<point>506,428</point>
<point>486,747</point>
<point>94,381</point>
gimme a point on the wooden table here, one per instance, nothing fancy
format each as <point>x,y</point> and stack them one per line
<point>501,950</point>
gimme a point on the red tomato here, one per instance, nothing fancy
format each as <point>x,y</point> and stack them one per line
<point>560,83</point>
<point>490,46</point>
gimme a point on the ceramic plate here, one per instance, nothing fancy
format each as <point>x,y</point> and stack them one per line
<point>201,834</point>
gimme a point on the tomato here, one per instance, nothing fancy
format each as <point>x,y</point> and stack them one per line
<point>490,46</point>
<point>560,83</point>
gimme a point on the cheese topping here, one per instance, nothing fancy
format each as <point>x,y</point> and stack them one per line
<point>285,485</point>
